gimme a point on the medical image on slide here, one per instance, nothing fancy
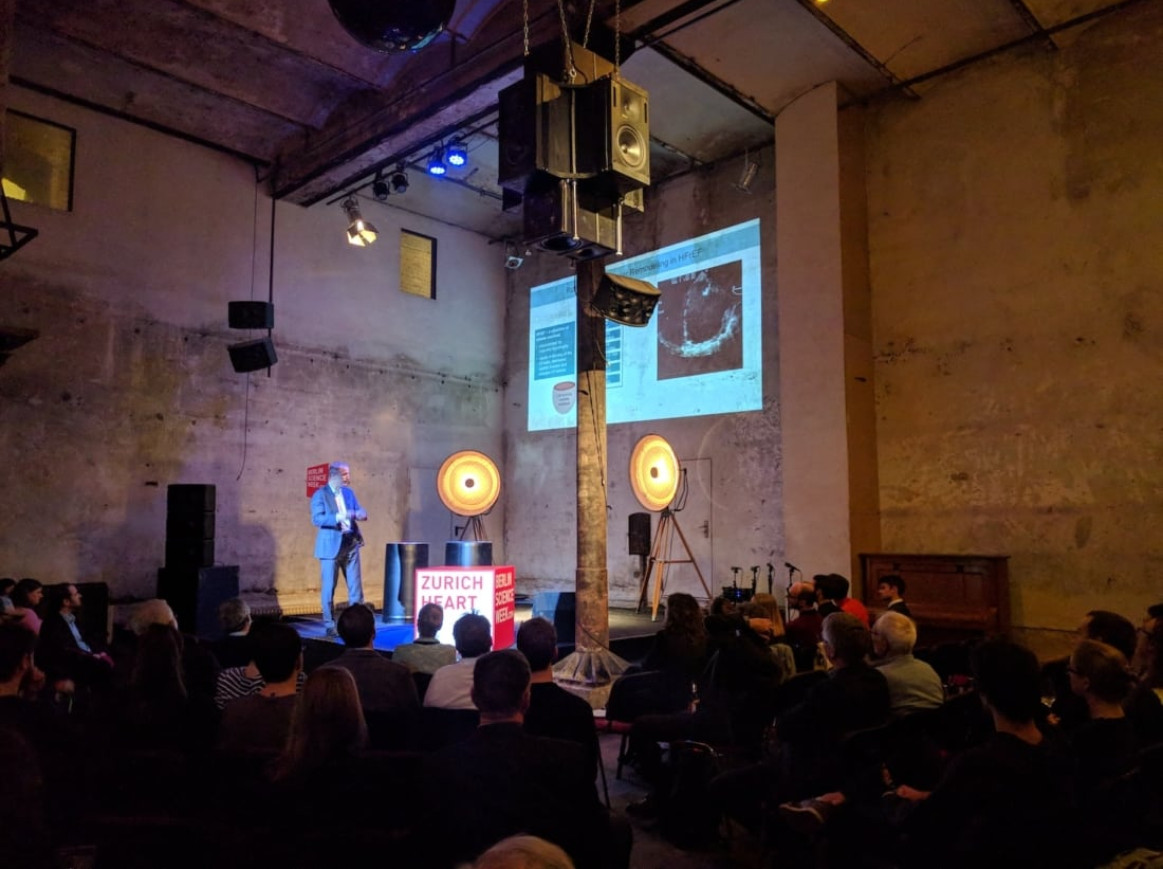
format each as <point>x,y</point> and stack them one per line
<point>700,322</point>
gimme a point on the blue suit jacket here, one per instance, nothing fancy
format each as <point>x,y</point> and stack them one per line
<point>324,516</point>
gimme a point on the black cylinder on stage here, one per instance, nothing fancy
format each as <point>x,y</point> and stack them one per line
<point>468,553</point>
<point>400,563</point>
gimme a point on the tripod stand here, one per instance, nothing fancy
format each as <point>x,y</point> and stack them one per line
<point>660,560</point>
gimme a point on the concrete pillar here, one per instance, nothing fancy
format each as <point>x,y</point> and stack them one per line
<point>826,415</point>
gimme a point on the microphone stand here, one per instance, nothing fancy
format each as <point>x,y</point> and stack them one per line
<point>791,571</point>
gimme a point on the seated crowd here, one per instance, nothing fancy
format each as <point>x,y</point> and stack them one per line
<point>830,736</point>
<point>868,759</point>
<point>151,743</point>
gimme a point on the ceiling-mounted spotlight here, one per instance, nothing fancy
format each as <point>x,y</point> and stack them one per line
<point>380,187</point>
<point>624,300</point>
<point>399,180</point>
<point>436,164</point>
<point>359,231</point>
<point>456,154</point>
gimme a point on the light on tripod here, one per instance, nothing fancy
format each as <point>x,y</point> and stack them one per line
<point>654,472</point>
<point>469,483</point>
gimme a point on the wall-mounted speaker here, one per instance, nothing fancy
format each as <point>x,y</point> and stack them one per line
<point>252,355</point>
<point>250,315</point>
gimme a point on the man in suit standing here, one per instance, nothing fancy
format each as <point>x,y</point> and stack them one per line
<point>336,512</point>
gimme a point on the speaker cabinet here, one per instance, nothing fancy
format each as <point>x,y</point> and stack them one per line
<point>190,518</point>
<point>557,222</point>
<point>639,534</point>
<point>613,125</point>
<point>194,594</point>
<point>247,356</point>
<point>250,315</point>
<point>560,607</point>
<point>533,132</point>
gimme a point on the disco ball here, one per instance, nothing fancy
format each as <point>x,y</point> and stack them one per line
<point>393,25</point>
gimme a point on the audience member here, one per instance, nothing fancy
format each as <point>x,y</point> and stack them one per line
<point>680,648</point>
<point>26,597</point>
<point>890,588</point>
<point>912,685</point>
<point>1148,657</point>
<point>64,652</point>
<point>1004,803</point>
<point>805,630</point>
<point>233,649</point>
<point>1105,743</point>
<point>327,729</point>
<point>426,654</point>
<point>7,586</point>
<point>386,689</point>
<point>523,852</point>
<point>832,592</point>
<point>503,780</point>
<point>553,711</point>
<point>451,685</point>
<point>762,615</point>
<point>261,721</point>
<point>199,667</point>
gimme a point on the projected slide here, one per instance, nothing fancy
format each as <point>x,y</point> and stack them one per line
<point>701,353</point>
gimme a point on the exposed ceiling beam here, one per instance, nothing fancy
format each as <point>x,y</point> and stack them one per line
<point>436,94</point>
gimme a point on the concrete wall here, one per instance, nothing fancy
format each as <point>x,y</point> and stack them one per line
<point>129,387</point>
<point>733,461</point>
<point>1016,260</point>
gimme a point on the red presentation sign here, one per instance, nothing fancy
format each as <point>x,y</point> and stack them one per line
<point>486,591</point>
<point>316,478</point>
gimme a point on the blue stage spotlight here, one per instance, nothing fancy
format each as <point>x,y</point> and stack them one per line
<point>456,154</point>
<point>436,164</point>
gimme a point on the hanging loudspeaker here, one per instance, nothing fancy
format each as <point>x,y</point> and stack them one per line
<point>654,472</point>
<point>252,355</point>
<point>469,483</point>
<point>613,127</point>
<point>250,315</point>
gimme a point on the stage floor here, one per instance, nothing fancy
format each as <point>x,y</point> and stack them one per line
<point>626,627</point>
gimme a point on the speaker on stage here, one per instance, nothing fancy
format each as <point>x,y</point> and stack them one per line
<point>190,521</point>
<point>560,607</point>
<point>639,533</point>
<point>468,553</point>
<point>400,563</point>
<point>194,594</point>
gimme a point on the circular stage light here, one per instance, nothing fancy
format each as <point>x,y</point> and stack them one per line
<point>654,472</point>
<point>468,483</point>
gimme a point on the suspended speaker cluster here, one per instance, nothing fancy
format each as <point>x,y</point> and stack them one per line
<point>247,356</point>
<point>469,483</point>
<point>574,155</point>
<point>654,472</point>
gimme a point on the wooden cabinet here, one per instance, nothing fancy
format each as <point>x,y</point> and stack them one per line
<point>952,597</point>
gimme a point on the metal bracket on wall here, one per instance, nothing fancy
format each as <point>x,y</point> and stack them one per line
<point>17,236</point>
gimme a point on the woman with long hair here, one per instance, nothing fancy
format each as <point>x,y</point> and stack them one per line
<point>1105,744</point>
<point>681,646</point>
<point>327,727</point>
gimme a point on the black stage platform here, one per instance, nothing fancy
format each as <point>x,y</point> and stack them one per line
<point>630,635</point>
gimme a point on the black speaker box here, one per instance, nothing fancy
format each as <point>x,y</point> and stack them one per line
<point>189,552</point>
<point>194,594</point>
<point>250,315</point>
<point>248,356</point>
<point>613,128</point>
<point>533,131</point>
<point>560,607</point>
<point>191,498</point>
<point>555,223</point>
<point>639,533</point>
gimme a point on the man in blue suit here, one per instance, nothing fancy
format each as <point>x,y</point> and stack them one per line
<point>336,512</point>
